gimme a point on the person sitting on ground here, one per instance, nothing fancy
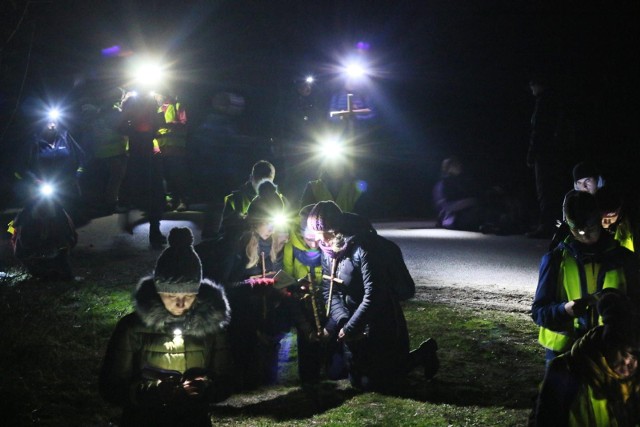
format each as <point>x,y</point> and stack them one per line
<point>262,313</point>
<point>42,236</point>
<point>364,312</point>
<point>596,383</point>
<point>575,272</point>
<point>169,359</point>
<point>302,261</point>
<point>457,203</point>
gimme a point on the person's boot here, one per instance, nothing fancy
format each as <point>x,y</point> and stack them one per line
<point>426,355</point>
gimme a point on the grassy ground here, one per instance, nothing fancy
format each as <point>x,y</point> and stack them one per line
<point>54,336</point>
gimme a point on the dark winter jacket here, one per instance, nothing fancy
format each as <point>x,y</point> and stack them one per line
<point>43,229</point>
<point>151,341</point>
<point>364,303</point>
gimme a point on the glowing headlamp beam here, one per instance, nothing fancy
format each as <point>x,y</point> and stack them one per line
<point>278,220</point>
<point>149,74</point>
<point>47,190</point>
<point>53,114</point>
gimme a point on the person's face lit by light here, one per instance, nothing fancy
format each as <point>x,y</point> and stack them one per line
<point>177,303</point>
<point>326,237</point>
<point>309,238</point>
<point>623,362</point>
<point>265,229</point>
<point>588,185</point>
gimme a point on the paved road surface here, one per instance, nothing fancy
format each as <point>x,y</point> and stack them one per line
<point>434,256</point>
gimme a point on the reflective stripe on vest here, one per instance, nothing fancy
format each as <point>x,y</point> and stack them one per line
<point>571,287</point>
<point>175,137</point>
<point>624,236</point>
<point>347,195</point>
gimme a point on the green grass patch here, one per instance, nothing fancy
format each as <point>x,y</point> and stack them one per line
<point>54,336</point>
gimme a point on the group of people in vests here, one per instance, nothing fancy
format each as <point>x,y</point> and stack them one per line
<point>587,308</point>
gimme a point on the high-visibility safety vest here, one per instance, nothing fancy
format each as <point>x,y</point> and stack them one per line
<point>346,198</point>
<point>172,137</point>
<point>624,235</point>
<point>295,267</point>
<point>588,409</point>
<point>574,282</point>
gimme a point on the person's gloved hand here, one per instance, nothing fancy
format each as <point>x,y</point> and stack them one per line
<point>578,307</point>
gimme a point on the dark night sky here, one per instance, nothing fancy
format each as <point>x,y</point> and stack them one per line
<point>455,72</point>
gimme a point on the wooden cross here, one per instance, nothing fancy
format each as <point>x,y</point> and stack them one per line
<point>332,279</point>
<point>349,112</point>
<point>314,304</point>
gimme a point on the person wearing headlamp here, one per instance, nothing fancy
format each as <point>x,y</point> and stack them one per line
<point>43,235</point>
<point>573,275</point>
<point>262,314</point>
<point>56,157</point>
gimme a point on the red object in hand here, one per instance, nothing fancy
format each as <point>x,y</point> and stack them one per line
<point>260,281</point>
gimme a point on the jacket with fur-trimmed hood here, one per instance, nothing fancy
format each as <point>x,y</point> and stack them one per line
<point>152,340</point>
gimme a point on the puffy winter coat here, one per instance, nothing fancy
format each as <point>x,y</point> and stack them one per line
<point>151,340</point>
<point>364,304</point>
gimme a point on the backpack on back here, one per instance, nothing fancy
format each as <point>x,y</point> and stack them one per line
<point>397,273</point>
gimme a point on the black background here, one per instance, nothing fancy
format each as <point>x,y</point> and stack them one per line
<point>453,74</point>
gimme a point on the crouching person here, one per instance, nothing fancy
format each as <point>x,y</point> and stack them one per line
<point>168,360</point>
<point>43,236</point>
<point>365,315</point>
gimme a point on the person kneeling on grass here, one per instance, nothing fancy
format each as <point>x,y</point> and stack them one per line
<point>365,315</point>
<point>597,382</point>
<point>168,360</point>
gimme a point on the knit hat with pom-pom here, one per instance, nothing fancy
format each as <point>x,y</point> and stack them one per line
<point>178,269</point>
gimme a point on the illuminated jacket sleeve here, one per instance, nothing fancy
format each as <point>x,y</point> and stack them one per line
<point>548,309</point>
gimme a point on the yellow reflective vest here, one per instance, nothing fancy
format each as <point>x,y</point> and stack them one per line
<point>570,287</point>
<point>293,266</point>
<point>172,139</point>
<point>346,198</point>
<point>624,235</point>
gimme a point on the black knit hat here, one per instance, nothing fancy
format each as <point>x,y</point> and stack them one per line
<point>178,269</point>
<point>325,216</point>
<point>580,209</point>
<point>584,170</point>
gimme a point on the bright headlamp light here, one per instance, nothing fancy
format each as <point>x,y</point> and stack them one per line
<point>47,189</point>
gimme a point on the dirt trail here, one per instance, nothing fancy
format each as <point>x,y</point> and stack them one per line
<point>487,297</point>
